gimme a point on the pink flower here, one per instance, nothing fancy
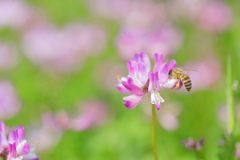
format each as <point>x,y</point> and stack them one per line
<point>207,67</point>
<point>168,118</point>
<point>91,114</point>
<point>14,13</point>
<point>62,50</point>
<point>237,151</point>
<point>142,13</point>
<point>131,41</point>
<point>9,100</point>
<point>211,16</point>
<point>140,80</point>
<point>15,146</point>
<point>50,132</point>
<point>214,16</point>
<point>165,39</point>
<point>8,56</point>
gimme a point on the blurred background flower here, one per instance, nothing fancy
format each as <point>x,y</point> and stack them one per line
<point>62,50</point>
<point>9,57</point>
<point>91,114</point>
<point>9,101</point>
<point>14,13</point>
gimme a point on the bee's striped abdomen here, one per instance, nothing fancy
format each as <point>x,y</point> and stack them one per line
<point>187,82</point>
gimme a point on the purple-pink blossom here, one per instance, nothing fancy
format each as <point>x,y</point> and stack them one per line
<point>140,80</point>
<point>14,13</point>
<point>9,101</point>
<point>165,39</point>
<point>215,16</point>
<point>8,56</point>
<point>62,50</point>
<point>49,132</point>
<point>91,113</point>
<point>209,67</point>
<point>15,146</point>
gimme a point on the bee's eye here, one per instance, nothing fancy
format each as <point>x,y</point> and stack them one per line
<point>170,72</point>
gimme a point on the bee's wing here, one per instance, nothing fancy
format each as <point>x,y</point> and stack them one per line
<point>189,70</point>
<point>186,71</point>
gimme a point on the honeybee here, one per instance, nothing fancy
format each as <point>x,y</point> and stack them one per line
<point>180,75</point>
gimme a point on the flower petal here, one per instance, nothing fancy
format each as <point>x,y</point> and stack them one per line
<point>156,99</point>
<point>12,137</point>
<point>170,83</point>
<point>133,89</point>
<point>153,82</point>
<point>3,136</point>
<point>131,101</point>
<point>179,86</point>
<point>137,82</point>
<point>30,156</point>
<point>158,62</point>
<point>143,59</point>
<point>142,74</point>
<point>132,68</point>
<point>12,151</point>
<point>163,74</point>
<point>120,87</point>
<point>20,131</point>
<point>23,148</point>
<point>172,65</point>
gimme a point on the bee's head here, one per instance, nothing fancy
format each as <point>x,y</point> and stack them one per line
<point>170,72</point>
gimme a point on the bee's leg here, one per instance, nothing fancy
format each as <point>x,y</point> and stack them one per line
<point>178,84</point>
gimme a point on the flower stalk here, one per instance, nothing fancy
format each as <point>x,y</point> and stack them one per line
<point>154,132</point>
<point>230,99</point>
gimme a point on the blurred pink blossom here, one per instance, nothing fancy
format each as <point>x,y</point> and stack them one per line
<point>214,16</point>
<point>91,114</point>
<point>50,132</point>
<point>112,9</point>
<point>9,100</point>
<point>184,8</point>
<point>142,13</point>
<point>63,50</point>
<point>8,56</point>
<point>237,151</point>
<point>107,72</point>
<point>222,113</point>
<point>169,115</point>
<point>208,15</point>
<point>164,40</point>
<point>192,144</point>
<point>14,13</point>
<point>208,72</point>
<point>131,41</point>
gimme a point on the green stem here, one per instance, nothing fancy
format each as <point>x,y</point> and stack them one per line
<point>154,132</point>
<point>199,155</point>
<point>230,100</point>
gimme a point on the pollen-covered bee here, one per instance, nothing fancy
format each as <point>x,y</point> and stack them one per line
<point>180,75</point>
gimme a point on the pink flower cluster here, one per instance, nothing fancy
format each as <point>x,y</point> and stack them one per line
<point>8,56</point>
<point>208,15</point>
<point>165,39</point>
<point>15,147</point>
<point>62,50</point>
<point>14,13</point>
<point>140,80</point>
<point>89,114</point>
<point>10,103</point>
